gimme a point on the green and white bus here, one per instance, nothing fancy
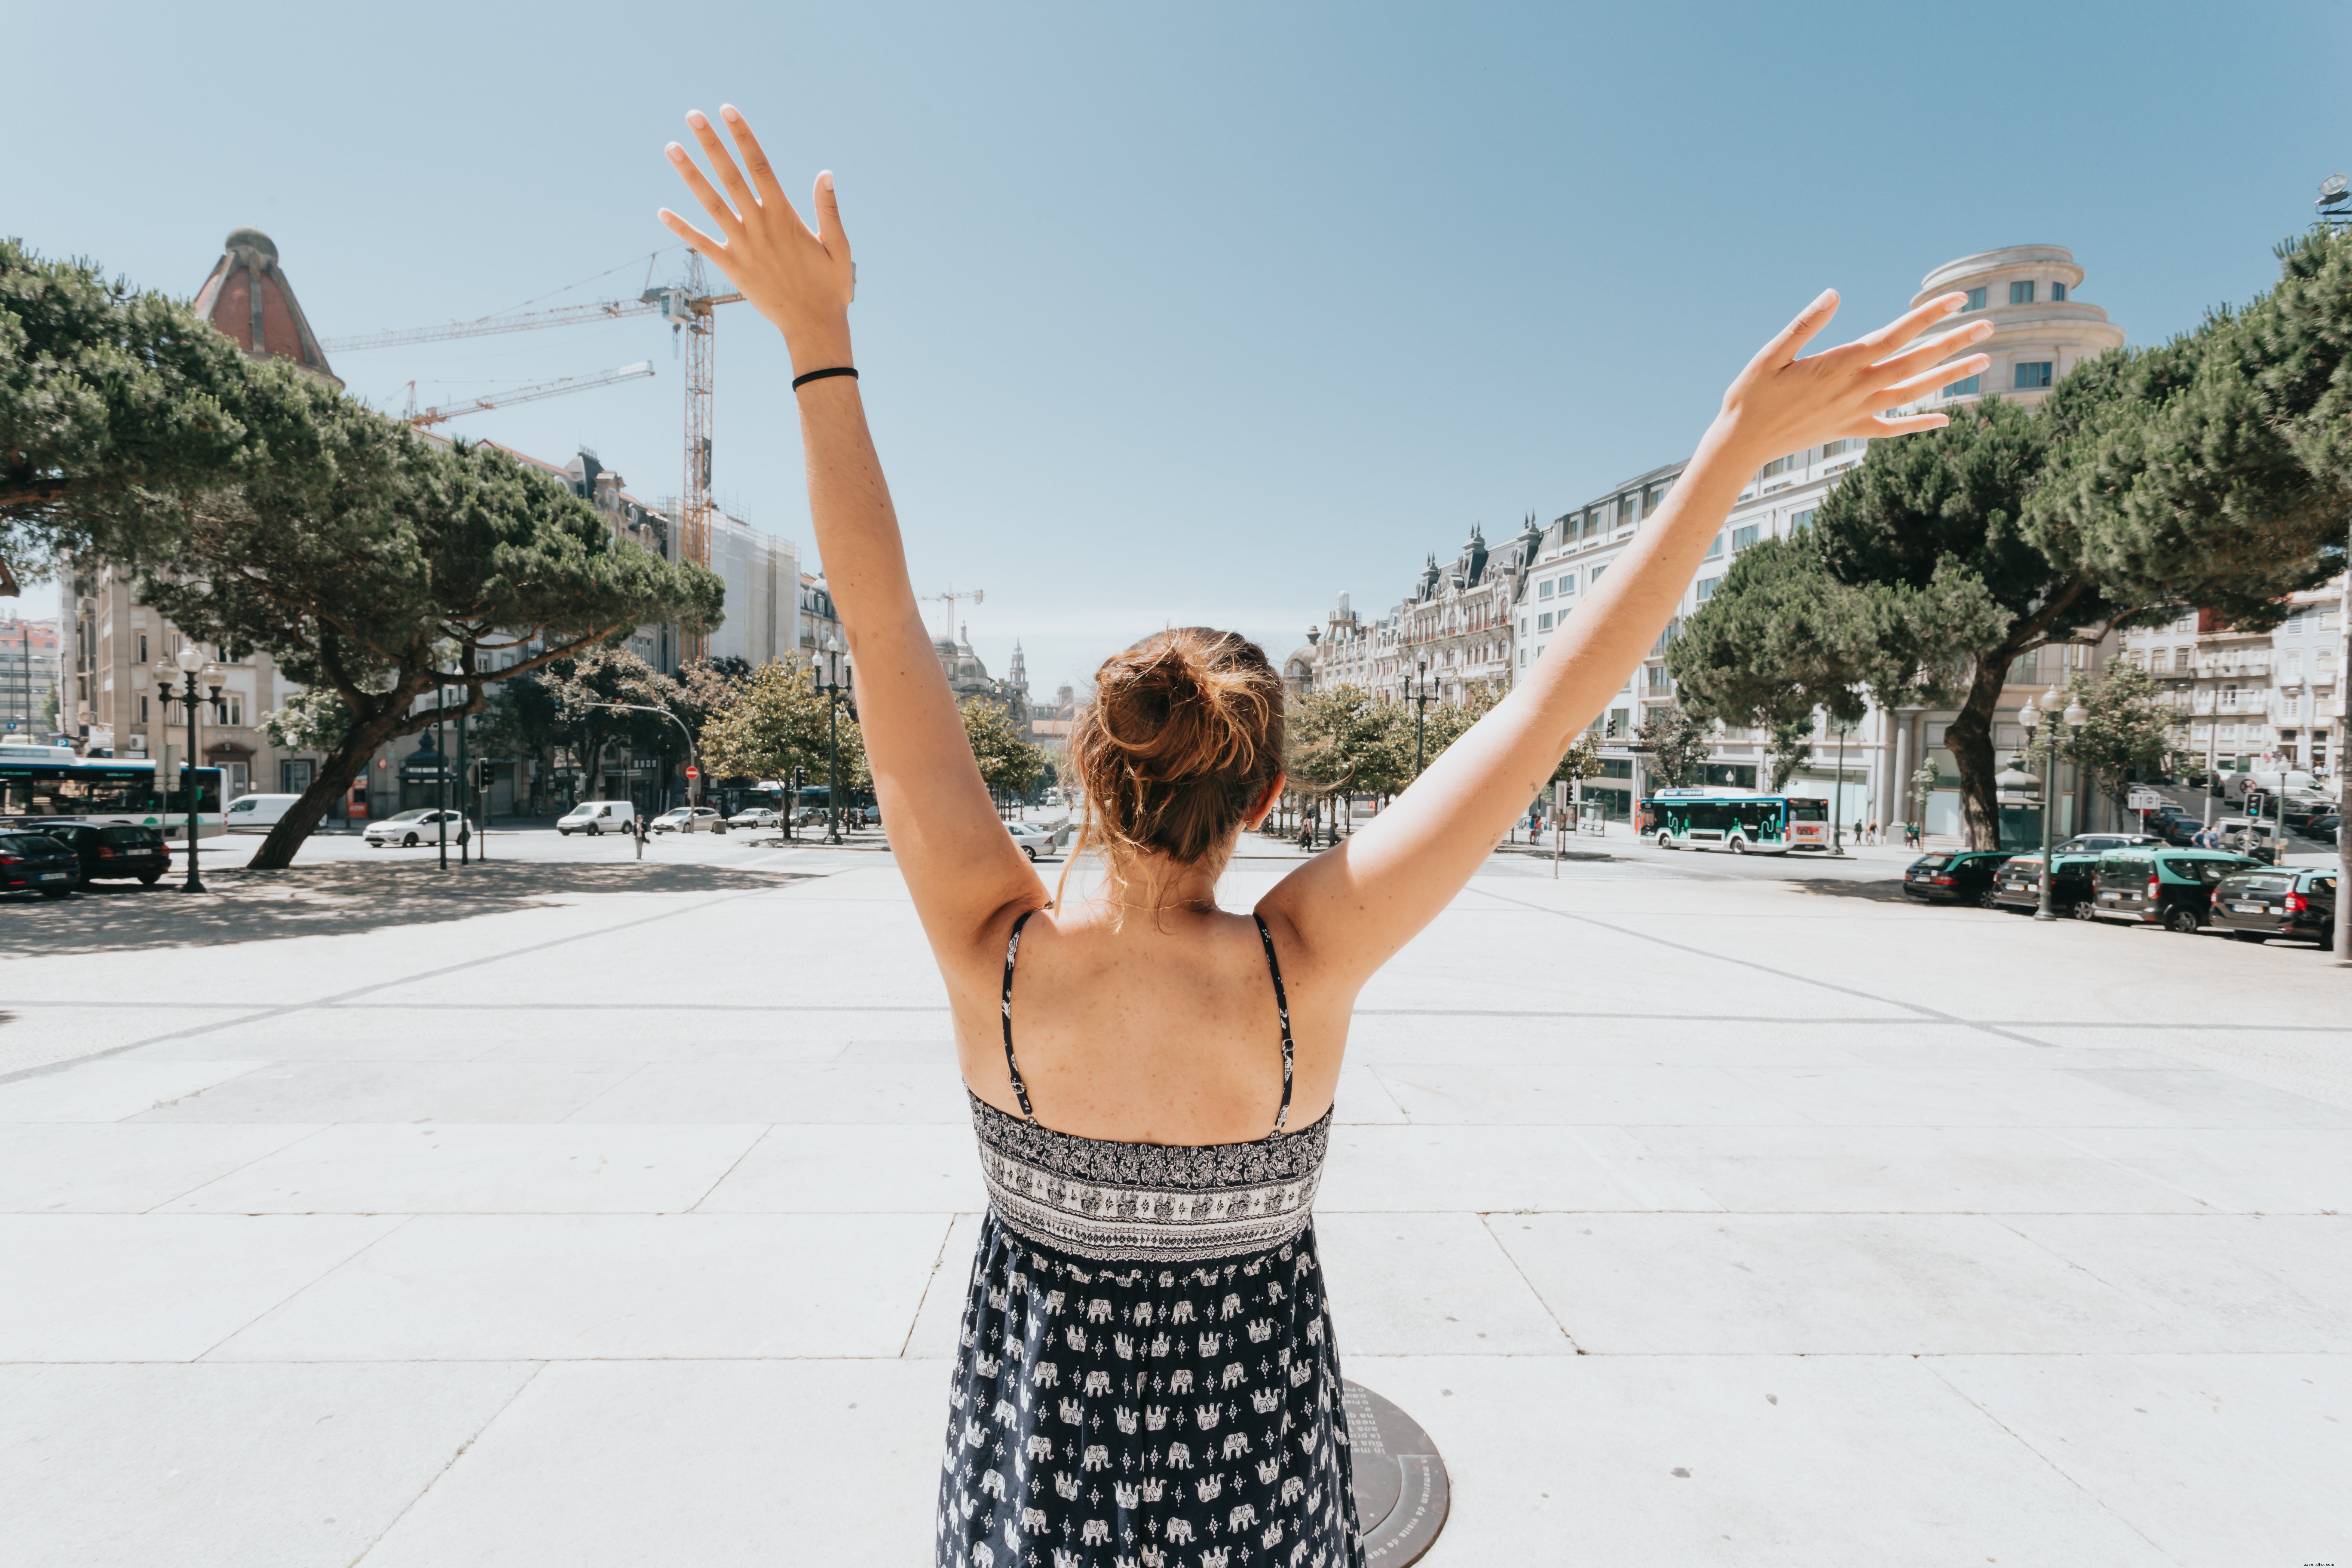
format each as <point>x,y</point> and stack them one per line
<point>51,781</point>
<point>1744,822</point>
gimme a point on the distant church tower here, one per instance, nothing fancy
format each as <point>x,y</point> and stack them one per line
<point>248,298</point>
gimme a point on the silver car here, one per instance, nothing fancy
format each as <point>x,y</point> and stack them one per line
<point>754,817</point>
<point>1032,839</point>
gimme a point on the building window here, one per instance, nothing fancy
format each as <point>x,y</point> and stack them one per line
<point>1975,300</point>
<point>1968,387</point>
<point>1596,573</point>
<point>142,647</point>
<point>2031,374</point>
<point>1802,520</point>
<point>2057,292</point>
<point>1714,547</point>
<point>1543,622</point>
<point>1745,538</point>
<point>143,713</point>
<point>1543,589</point>
<point>1706,587</point>
<point>2021,293</point>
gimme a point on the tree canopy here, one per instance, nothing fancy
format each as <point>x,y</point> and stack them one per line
<point>1009,764</point>
<point>775,729</point>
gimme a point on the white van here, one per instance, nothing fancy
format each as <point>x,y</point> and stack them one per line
<point>594,816</point>
<point>257,813</point>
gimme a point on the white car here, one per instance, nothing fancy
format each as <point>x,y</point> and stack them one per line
<point>410,828</point>
<point>754,817</point>
<point>691,818</point>
<point>1032,839</point>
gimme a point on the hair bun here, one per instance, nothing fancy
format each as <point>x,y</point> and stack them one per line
<point>1183,735</point>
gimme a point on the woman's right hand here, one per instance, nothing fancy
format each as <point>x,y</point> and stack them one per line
<point>801,282</point>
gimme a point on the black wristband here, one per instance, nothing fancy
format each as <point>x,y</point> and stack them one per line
<point>848,370</point>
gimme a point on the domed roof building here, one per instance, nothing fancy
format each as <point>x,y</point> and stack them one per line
<point>248,298</point>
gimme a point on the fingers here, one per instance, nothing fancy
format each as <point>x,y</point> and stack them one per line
<point>1908,424</point>
<point>713,203</point>
<point>1912,323</point>
<point>1785,344</point>
<point>1920,355</point>
<point>755,157</point>
<point>722,161</point>
<point>691,235</point>
<point>1933,376</point>
<point>828,218</point>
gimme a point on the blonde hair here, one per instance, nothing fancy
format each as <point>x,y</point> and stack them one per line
<point>1182,737</point>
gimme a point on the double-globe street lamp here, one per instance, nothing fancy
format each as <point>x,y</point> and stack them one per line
<point>834,676</point>
<point>197,671</point>
<point>2047,719</point>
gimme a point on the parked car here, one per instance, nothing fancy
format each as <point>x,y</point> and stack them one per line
<point>2324,827</point>
<point>594,816</point>
<point>1032,839</point>
<point>2100,843</point>
<point>36,863</point>
<point>256,813</point>
<point>2291,901</point>
<point>2300,809</point>
<point>755,816</point>
<point>685,819</point>
<point>808,816</point>
<point>110,851</point>
<point>2018,884</point>
<point>422,826</point>
<point>2244,835</point>
<point>1962,876</point>
<point>2170,887</point>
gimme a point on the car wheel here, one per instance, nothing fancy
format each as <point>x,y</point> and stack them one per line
<point>2183,920</point>
<point>57,892</point>
<point>2250,936</point>
<point>149,878</point>
<point>1739,847</point>
<point>1985,900</point>
<point>1665,841</point>
<point>2085,909</point>
<point>1030,850</point>
<point>594,831</point>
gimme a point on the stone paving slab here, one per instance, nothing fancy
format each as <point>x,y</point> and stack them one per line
<point>1704,1212</point>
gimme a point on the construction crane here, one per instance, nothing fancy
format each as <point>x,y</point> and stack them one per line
<point>949,598</point>
<point>690,310</point>
<point>424,419</point>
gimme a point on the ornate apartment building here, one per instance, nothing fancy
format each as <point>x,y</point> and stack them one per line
<point>2254,698</point>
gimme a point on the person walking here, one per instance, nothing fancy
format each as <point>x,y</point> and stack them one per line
<point>1874,831</point>
<point>1151,1076</point>
<point>637,832</point>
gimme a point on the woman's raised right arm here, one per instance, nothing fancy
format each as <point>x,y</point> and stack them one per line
<point>1355,906</point>
<point>966,875</point>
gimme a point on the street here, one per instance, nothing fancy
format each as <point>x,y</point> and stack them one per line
<point>567,1210</point>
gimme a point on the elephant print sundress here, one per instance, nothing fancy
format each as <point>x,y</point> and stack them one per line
<point>1146,1377</point>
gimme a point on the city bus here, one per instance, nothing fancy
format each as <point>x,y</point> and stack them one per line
<point>1745,822</point>
<point>51,781</point>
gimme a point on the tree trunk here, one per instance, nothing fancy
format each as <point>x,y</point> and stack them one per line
<point>1970,740</point>
<point>335,775</point>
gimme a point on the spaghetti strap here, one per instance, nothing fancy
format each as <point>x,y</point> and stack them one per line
<point>1281,1008</point>
<point>1020,1090</point>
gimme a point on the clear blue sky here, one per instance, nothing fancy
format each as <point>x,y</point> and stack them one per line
<point>1183,314</point>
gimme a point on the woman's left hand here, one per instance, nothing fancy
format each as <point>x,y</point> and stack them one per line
<point>801,280</point>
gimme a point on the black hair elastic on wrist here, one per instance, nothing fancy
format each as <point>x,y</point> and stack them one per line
<point>848,370</point>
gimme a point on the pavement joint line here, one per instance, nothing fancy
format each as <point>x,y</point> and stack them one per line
<point>2055,1467</point>
<point>294,1142</point>
<point>1941,1017</point>
<point>345,996</point>
<point>1486,1223</point>
<point>463,1448</point>
<point>938,1262</point>
<point>401,1223</point>
<point>736,1163</point>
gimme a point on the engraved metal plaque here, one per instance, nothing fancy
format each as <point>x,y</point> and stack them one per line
<point>1400,1487</point>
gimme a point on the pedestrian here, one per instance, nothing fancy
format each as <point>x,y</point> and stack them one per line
<point>1873,830</point>
<point>1141,1060</point>
<point>637,832</point>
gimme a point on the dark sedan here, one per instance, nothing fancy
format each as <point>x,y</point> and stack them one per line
<point>1962,877</point>
<point>2289,901</point>
<point>108,852</point>
<point>2018,886</point>
<point>36,863</point>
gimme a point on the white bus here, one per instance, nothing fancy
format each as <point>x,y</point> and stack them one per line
<point>1745,822</point>
<point>51,781</point>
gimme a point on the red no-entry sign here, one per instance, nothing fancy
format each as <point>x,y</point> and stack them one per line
<point>694,773</point>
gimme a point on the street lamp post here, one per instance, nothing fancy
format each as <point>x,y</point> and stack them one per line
<point>2047,719</point>
<point>833,683</point>
<point>192,667</point>
<point>692,762</point>
<point>1419,691</point>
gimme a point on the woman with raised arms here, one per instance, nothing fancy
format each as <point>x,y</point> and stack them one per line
<point>1146,1371</point>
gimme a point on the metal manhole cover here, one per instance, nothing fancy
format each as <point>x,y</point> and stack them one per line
<point>1401,1487</point>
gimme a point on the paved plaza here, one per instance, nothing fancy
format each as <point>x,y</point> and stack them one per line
<point>569,1211</point>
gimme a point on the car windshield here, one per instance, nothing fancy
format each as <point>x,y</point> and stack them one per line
<point>1931,862</point>
<point>419,814</point>
<point>30,843</point>
<point>2267,884</point>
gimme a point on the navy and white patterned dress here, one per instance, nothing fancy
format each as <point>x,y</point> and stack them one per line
<point>1147,1377</point>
